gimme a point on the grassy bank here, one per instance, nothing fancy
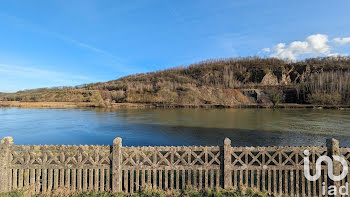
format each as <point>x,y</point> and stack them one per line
<point>147,192</point>
<point>38,105</point>
<point>64,105</point>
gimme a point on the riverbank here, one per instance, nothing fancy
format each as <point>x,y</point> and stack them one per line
<point>280,106</point>
<point>45,105</point>
<point>64,105</point>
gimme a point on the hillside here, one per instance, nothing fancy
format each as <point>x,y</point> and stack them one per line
<point>234,81</point>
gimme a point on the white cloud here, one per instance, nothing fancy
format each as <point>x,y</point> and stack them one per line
<point>337,55</point>
<point>342,41</point>
<point>313,45</point>
<point>267,50</point>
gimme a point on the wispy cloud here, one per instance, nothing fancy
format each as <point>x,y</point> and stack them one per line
<point>25,75</point>
<point>317,44</point>
<point>34,72</point>
<point>87,46</point>
<point>81,44</point>
<point>342,40</point>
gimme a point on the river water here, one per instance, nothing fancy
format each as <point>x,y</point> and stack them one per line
<point>143,127</point>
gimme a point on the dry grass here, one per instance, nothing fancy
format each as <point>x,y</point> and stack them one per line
<point>63,105</point>
<point>45,105</point>
<point>146,191</point>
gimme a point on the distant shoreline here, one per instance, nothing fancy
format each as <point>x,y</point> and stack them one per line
<point>65,105</point>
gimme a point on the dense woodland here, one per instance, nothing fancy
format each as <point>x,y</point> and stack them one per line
<point>230,81</point>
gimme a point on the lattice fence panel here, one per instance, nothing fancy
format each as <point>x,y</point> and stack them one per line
<point>81,168</point>
<point>278,170</point>
<point>171,167</point>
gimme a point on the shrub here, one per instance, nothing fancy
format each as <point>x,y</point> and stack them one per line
<point>325,98</point>
<point>118,96</point>
<point>276,96</point>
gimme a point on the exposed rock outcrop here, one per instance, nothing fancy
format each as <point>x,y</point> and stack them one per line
<point>269,79</point>
<point>257,96</point>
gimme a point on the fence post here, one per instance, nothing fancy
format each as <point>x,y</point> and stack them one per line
<point>117,165</point>
<point>5,144</point>
<point>333,149</point>
<point>227,164</point>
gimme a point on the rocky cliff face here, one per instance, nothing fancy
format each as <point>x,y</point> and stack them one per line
<point>269,79</point>
<point>257,96</point>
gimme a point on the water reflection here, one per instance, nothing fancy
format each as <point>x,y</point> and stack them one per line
<point>245,127</point>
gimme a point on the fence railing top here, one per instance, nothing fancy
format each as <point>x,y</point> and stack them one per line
<point>171,146</point>
<point>227,142</point>
<point>61,146</point>
<point>278,147</point>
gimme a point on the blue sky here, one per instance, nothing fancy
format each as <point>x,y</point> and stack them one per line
<point>61,43</point>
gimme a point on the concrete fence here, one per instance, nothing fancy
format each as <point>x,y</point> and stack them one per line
<point>116,168</point>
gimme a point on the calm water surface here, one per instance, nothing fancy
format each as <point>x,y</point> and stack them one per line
<point>245,127</point>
